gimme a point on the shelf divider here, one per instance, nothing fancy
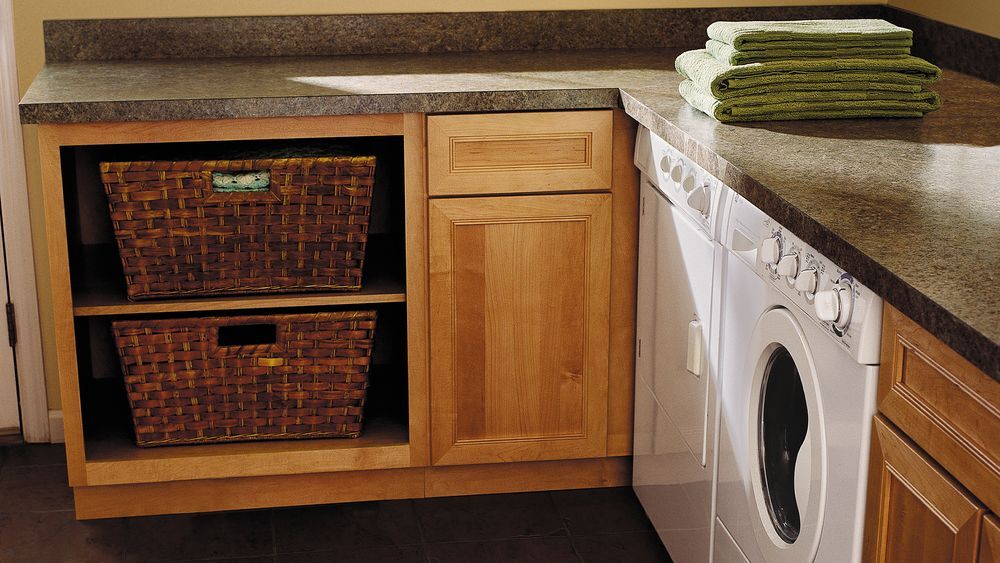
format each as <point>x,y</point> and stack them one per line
<point>100,293</point>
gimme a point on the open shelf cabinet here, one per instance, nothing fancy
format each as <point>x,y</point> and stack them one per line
<point>100,447</point>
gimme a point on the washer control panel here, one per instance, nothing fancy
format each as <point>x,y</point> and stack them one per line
<point>681,180</point>
<point>848,310</point>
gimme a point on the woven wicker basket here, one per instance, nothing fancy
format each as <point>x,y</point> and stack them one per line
<point>227,379</point>
<point>190,228</point>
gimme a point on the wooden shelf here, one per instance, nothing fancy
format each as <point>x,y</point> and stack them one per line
<point>110,300</point>
<point>97,295</point>
<point>114,459</point>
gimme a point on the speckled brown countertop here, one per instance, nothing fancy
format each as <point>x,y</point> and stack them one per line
<point>910,207</point>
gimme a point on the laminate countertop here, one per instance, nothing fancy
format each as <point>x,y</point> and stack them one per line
<point>911,207</point>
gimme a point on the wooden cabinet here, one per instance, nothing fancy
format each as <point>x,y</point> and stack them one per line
<point>525,314</point>
<point>934,470</point>
<point>920,513</point>
<point>519,292</point>
<point>946,405</point>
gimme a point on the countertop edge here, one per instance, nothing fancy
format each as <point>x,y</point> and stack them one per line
<point>98,111</point>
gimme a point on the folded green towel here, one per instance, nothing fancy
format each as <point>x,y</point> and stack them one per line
<point>728,54</point>
<point>859,85</point>
<point>811,105</point>
<point>755,35</point>
<point>724,80</point>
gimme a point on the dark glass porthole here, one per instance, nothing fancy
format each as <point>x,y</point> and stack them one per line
<point>784,419</point>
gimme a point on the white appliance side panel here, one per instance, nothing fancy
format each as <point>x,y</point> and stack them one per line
<point>685,261</point>
<point>675,492</point>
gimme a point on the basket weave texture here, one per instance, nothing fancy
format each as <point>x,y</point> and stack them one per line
<point>185,388</point>
<point>176,236</point>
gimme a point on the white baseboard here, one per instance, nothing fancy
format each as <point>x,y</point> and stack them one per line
<point>56,434</point>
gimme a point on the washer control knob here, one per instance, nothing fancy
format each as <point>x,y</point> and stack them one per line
<point>699,200</point>
<point>677,171</point>
<point>828,305</point>
<point>689,182</point>
<point>806,281</point>
<point>770,250</point>
<point>835,305</point>
<point>665,164</point>
<point>788,266</point>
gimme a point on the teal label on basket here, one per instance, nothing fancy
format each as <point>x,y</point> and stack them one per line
<point>255,181</point>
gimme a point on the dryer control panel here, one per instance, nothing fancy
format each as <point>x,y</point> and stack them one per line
<point>687,185</point>
<point>850,312</point>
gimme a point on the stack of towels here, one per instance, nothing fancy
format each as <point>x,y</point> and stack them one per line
<point>810,69</point>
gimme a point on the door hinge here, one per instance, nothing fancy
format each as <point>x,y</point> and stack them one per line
<point>642,213</point>
<point>11,325</point>
<point>640,347</point>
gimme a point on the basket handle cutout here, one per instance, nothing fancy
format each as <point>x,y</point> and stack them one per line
<point>241,182</point>
<point>248,335</point>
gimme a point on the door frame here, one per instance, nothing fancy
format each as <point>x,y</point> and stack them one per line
<point>20,256</point>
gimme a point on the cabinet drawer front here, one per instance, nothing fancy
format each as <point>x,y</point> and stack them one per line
<point>946,405</point>
<point>916,512</point>
<point>519,152</point>
<point>519,305</point>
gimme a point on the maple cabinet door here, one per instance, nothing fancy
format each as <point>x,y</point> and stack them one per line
<point>519,295</point>
<point>916,511</point>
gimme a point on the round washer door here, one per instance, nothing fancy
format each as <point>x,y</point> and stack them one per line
<point>787,441</point>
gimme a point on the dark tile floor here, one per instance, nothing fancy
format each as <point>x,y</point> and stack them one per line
<point>37,524</point>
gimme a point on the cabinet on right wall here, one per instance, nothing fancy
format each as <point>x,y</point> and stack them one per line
<point>935,466</point>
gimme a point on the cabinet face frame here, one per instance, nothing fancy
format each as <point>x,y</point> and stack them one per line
<point>52,138</point>
<point>898,466</point>
<point>447,216</point>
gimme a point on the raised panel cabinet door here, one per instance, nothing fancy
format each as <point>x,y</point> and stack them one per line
<point>916,512</point>
<point>519,295</point>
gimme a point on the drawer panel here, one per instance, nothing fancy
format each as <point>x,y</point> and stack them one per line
<point>946,405</point>
<point>519,152</point>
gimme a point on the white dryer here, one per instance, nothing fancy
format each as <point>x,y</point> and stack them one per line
<point>676,346</point>
<point>800,347</point>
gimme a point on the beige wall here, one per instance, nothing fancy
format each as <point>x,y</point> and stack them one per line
<point>979,15</point>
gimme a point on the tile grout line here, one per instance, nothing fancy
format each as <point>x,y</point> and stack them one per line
<point>569,534</point>
<point>562,519</point>
<point>420,531</point>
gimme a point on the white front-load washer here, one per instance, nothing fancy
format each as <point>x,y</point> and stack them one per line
<point>799,353</point>
<point>676,346</point>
